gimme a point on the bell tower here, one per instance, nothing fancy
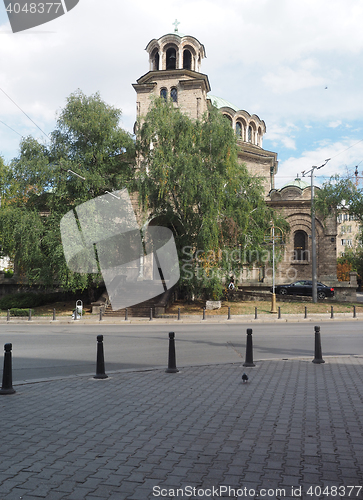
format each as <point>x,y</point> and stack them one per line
<point>174,73</point>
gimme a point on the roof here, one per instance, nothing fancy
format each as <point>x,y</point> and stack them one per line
<point>218,102</point>
<point>298,182</point>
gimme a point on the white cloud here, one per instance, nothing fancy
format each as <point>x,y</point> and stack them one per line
<point>344,156</point>
<point>335,124</point>
<point>270,57</point>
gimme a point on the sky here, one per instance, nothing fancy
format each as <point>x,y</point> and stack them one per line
<point>295,64</point>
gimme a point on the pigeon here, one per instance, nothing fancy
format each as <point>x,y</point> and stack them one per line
<point>244,378</point>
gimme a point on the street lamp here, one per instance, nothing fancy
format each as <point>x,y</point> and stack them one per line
<point>313,236</point>
<point>275,235</point>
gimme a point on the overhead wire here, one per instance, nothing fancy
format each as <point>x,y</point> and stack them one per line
<point>12,100</point>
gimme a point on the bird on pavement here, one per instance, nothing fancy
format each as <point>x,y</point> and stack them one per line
<point>244,378</point>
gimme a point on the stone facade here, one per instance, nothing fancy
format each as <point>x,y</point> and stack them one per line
<point>293,201</point>
<point>174,73</point>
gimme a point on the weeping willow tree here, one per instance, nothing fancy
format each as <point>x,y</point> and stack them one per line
<point>189,179</point>
<point>40,186</point>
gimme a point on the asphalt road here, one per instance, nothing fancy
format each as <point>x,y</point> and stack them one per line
<point>44,351</point>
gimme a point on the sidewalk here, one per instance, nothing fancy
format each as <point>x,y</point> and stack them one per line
<point>192,318</point>
<point>294,430</point>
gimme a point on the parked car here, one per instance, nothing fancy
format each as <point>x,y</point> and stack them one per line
<point>304,287</point>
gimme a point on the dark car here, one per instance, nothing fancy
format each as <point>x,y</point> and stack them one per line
<point>304,287</point>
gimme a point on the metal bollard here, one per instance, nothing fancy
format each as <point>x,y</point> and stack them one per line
<point>229,313</point>
<point>249,349</point>
<point>203,312</point>
<point>255,312</point>
<point>7,383</point>
<point>126,314</point>
<point>306,312</point>
<point>30,315</point>
<point>331,312</point>
<point>100,314</point>
<point>318,354</point>
<point>279,313</point>
<point>8,315</point>
<point>53,314</point>
<point>100,369</point>
<point>172,357</point>
<point>354,312</point>
<point>151,313</point>
<point>178,313</point>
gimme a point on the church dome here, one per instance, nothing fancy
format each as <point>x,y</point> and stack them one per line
<point>298,182</point>
<point>219,103</point>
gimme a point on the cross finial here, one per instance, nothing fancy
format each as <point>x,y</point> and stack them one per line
<point>176,24</point>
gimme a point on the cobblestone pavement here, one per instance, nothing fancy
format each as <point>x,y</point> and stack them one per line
<point>294,430</point>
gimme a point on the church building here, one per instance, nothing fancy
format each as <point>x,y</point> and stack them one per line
<point>174,73</point>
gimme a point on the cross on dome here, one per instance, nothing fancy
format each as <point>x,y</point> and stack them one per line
<point>176,24</point>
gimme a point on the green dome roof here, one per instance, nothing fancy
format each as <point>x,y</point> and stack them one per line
<point>298,182</point>
<point>218,102</point>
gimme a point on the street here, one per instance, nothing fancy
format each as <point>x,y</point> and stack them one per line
<point>43,351</point>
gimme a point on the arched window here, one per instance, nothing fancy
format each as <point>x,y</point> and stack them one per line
<point>156,61</point>
<point>229,119</point>
<point>250,134</point>
<point>174,94</point>
<point>187,59</point>
<point>239,130</point>
<point>164,94</point>
<point>171,58</point>
<point>300,246</point>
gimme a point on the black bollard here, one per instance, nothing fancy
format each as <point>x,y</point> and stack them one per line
<point>126,314</point>
<point>178,313</point>
<point>354,312</point>
<point>318,354</point>
<point>8,315</point>
<point>100,369</point>
<point>172,358</point>
<point>30,315</point>
<point>229,313</point>
<point>249,349</point>
<point>151,313</point>
<point>53,314</point>
<point>255,312</point>
<point>203,312</point>
<point>306,312</point>
<point>279,313</point>
<point>7,385</point>
<point>100,314</point>
<point>331,312</point>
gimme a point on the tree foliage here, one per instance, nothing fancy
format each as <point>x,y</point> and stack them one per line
<point>189,178</point>
<point>342,195</point>
<point>39,187</point>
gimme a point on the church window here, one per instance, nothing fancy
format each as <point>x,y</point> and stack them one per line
<point>156,61</point>
<point>300,244</point>
<point>171,58</point>
<point>250,134</point>
<point>187,59</point>
<point>229,119</point>
<point>238,129</point>
<point>164,94</point>
<point>174,94</point>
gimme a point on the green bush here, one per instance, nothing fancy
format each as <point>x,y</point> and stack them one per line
<point>9,274</point>
<point>15,311</point>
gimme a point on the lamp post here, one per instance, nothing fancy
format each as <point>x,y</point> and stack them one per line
<point>313,235</point>
<point>275,234</point>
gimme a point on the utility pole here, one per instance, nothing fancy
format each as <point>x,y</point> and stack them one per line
<point>313,236</point>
